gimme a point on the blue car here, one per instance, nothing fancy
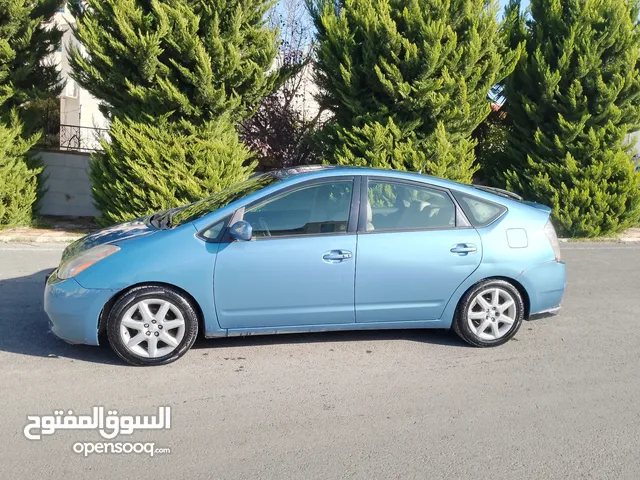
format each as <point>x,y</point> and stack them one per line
<point>307,250</point>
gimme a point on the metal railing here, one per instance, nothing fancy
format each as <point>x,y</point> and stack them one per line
<point>73,137</point>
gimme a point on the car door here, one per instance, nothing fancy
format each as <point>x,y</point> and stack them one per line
<point>299,267</point>
<point>415,248</point>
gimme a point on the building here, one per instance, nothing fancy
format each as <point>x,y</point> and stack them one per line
<point>81,122</point>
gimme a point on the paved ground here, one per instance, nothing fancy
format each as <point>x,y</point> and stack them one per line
<point>560,401</point>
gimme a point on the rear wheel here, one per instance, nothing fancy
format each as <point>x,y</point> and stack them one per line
<point>152,326</point>
<point>489,314</point>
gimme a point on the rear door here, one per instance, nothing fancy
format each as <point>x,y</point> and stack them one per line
<point>415,248</point>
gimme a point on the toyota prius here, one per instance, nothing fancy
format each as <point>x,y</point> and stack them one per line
<point>311,249</point>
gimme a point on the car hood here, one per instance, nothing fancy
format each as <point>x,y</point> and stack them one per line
<point>117,233</point>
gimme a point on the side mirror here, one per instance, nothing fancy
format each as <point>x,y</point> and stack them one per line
<point>241,231</point>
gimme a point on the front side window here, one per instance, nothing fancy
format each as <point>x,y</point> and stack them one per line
<point>312,210</point>
<point>214,233</point>
<point>400,206</point>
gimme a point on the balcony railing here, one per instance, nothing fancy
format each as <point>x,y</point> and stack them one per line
<point>73,137</point>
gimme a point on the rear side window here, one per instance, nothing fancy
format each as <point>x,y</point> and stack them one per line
<point>480,212</point>
<point>405,206</point>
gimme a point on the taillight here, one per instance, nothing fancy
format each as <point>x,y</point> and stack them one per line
<point>550,232</point>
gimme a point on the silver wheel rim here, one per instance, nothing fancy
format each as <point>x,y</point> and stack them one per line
<point>492,313</point>
<point>152,328</point>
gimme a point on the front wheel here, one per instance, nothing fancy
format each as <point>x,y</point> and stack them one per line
<point>152,326</point>
<point>489,314</point>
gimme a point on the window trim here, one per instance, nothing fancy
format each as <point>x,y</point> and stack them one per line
<point>353,212</point>
<point>227,220</point>
<point>364,199</point>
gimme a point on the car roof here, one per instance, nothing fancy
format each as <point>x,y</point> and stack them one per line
<point>309,172</point>
<point>313,171</point>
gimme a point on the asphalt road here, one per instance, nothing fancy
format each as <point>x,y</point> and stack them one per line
<point>561,400</point>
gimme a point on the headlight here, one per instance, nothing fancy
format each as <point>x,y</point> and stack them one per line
<point>74,265</point>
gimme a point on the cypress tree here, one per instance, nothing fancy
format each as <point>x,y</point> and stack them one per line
<point>192,59</point>
<point>571,101</point>
<point>407,80</point>
<point>18,175</point>
<point>174,76</point>
<point>26,40</point>
<point>27,76</point>
<point>160,164</point>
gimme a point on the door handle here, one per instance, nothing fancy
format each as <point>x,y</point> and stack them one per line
<point>335,256</point>
<point>463,249</point>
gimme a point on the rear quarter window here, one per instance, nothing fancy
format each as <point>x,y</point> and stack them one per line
<point>480,212</point>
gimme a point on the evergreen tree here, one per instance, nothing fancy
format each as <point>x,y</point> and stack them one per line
<point>27,78</point>
<point>18,175</point>
<point>491,137</point>
<point>174,76</point>
<point>193,59</point>
<point>159,164</point>
<point>26,40</point>
<point>408,75</point>
<point>572,99</point>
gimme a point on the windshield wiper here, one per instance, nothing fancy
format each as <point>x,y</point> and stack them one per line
<point>162,220</point>
<point>154,220</point>
<point>165,222</point>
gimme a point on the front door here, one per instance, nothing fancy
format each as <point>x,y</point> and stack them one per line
<point>298,269</point>
<point>412,254</point>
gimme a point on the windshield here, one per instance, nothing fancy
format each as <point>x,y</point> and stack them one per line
<point>188,213</point>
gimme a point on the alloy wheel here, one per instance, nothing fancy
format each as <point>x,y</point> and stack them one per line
<point>492,313</point>
<point>152,328</point>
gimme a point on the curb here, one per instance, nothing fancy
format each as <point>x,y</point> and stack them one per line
<point>600,240</point>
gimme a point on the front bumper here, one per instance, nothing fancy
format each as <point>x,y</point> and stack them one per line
<point>74,311</point>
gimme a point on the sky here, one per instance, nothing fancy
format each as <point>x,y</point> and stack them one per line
<point>525,3</point>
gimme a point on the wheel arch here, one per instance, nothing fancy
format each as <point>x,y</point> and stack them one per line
<point>516,284</point>
<point>106,309</point>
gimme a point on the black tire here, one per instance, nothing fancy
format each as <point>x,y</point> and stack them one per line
<point>182,304</point>
<point>460,322</point>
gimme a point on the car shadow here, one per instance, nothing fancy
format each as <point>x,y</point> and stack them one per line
<point>430,336</point>
<point>24,326</point>
<point>24,329</point>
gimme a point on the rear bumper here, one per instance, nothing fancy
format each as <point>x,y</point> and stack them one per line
<point>545,283</point>
<point>552,312</point>
<point>74,311</point>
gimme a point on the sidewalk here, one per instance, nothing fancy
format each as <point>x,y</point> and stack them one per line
<point>630,236</point>
<point>53,230</point>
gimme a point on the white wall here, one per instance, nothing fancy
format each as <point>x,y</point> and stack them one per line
<point>68,185</point>
<point>77,106</point>
<point>634,139</point>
